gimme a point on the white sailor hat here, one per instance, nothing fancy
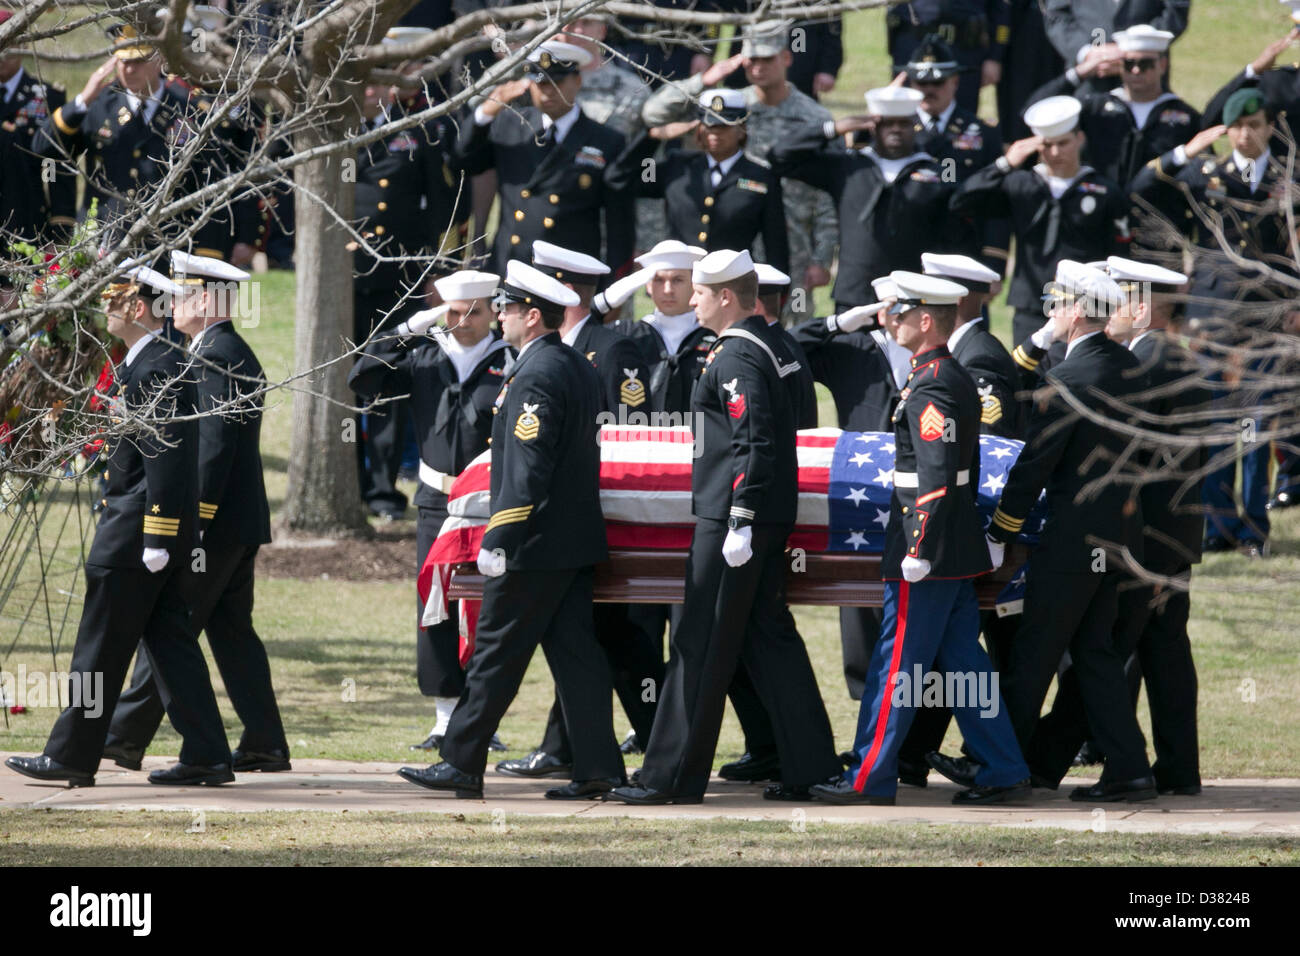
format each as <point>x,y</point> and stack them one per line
<point>893,101</point>
<point>555,59</point>
<point>196,270</point>
<point>144,278</point>
<point>1295,9</point>
<point>884,288</point>
<point>1078,280</point>
<point>1054,116</point>
<point>769,38</point>
<point>972,273</point>
<point>531,287</point>
<point>671,254</point>
<point>723,107</point>
<point>1130,272</point>
<point>1143,38</point>
<point>722,266</point>
<point>567,265</point>
<point>916,289</point>
<point>770,275</point>
<point>466,285</point>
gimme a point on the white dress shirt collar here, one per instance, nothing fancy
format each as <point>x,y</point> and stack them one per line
<point>1138,338</point>
<point>136,349</point>
<point>1259,166</point>
<point>724,165</point>
<point>939,122</point>
<point>194,341</point>
<point>571,336</point>
<point>11,85</point>
<point>146,108</point>
<point>1070,348</point>
<point>563,124</point>
<point>960,331</point>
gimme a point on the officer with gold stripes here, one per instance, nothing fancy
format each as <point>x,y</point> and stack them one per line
<point>545,535</point>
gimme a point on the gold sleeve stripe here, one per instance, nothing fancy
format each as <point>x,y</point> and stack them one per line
<point>161,530</point>
<point>1006,522</point>
<point>509,516</point>
<point>154,519</point>
<point>1023,360</point>
<point>63,127</point>
<point>995,252</point>
<point>206,510</point>
<point>1003,34</point>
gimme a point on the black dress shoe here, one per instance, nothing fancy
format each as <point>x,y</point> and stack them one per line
<point>250,761</point>
<point>497,745</point>
<point>793,792</point>
<point>1115,791</point>
<point>584,789</point>
<point>1179,790</point>
<point>645,797</point>
<point>124,755</point>
<point>1088,756</point>
<point>1042,783</point>
<point>431,742</point>
<point>847,758</point>
<point>43,767</point>
<point>635,779</point>
<point>537,764</point>
<point>443,776</point>
<point>960,770</point>
<point>842,792</point>
<point>977,795</point>
<point>751,769</point>
<point>630,745</point>
<point>913,774</point>
<point>190,775</point>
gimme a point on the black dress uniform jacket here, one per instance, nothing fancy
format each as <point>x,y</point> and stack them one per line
<point>800,383</point>
<point>967,144</point>
<point>857,372</point>
<point>745,421</point>
<point>1089,222</point>
<point>233,509</point>
<point>937,442</point>
<point>546,463</point>
<point>152,496</point>
<point>883,226</point>
<point>126,156</point>
<point>409,193</point>
<point>671,377</point>
<point>1065,452</point>
<point>1116,146</point>
<point>996,378</point>
<point>745,204</point>
<point>30,206</point>
<point>556,192</point>
<point>620,366</point>
<point>822,52</point>
<point>453,418</point>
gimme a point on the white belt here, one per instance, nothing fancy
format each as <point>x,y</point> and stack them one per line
<point>908,479</point>
<point>435,479</point>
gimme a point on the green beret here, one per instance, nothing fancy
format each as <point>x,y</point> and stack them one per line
<point>1242,103</point>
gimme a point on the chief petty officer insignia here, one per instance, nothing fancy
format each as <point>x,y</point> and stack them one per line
<point>990,404</point>
<point>527,426</point>
<point>631,392</point>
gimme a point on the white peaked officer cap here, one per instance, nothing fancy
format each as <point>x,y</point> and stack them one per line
<point>722,107</point>
<point>555,58</point>
<point>567,265</point>
<point>884,287</point>
<point>467,284</point>
<point>975,274</point>
<point>722,266</point>
<point>1084,281</point>
<point>1143,38</point>
<point>193,269</point>
<point>158,283</point>
<point>531,287</point>
<point>916,289</point>
<point>1131,272</point>
<point>671,254</point>
<point>1294,8</point>
<point>770,275</point>
<point>1054,116</point>
<point>891,101</point>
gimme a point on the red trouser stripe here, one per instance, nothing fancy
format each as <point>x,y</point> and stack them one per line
<point>882,719</point>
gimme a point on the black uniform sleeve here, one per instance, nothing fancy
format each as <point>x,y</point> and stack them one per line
<point>642,178</point>
<point>619,210</point>
<point>474,150</point>
<point>997,398</point>
<point>930,418</point>
<point>383,368</point>
<point>1046,439</point>
<point>623,374</point>
<point>63,136</point>
<point>805,156</point>
<point>776,238</point>
<point>218,432</point>
<point>1061,86</point>
<point>998,13</point>
<point>830,48</point>
<point>167,460</point>
<point>62,192</point>
<point>535,420</point>
<point>745,392</point>
<point>984,194</point>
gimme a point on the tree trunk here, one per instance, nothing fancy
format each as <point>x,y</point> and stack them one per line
<point>323,497</point>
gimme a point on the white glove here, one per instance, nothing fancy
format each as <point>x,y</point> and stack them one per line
<point>738,546</point>
<point>855,318</point>
<point>491,564</point>
<point>997,552</point>
<point>155,559</point>
<point>914,569</point>
<point>422,322</point>
<point>1044,337</point>
<point>620,291</point>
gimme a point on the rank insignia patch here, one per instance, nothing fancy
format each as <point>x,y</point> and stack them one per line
<point>931,423</point>
<point>990,405</point>
<point>631,392</point>
<point>736,399</point>
<point>527,426</point>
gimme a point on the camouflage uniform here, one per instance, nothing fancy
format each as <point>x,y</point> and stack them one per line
<point>811,220</point>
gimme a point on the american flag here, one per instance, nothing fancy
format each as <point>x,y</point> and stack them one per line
<point>845,483</point>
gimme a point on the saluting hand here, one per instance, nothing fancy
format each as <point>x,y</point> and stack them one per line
<point>104,74</point>
<point>1022,149</point>
<point>504,94</point>
<point>1205,138</point>
<point>1264,62</point>
<point>718,72</point>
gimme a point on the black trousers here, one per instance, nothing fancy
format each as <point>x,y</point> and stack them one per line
<point>636,656</point>
<point>221,603</point>
<point>1075,612</point>
<point>522,609</point>
<point>730,616</point>
<point>379,447</point>
<point>125,607</point>
<point>437,648</point>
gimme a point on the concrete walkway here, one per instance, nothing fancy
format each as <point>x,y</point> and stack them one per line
<point>1238,807</point>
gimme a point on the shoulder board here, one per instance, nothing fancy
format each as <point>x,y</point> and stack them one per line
<point>758,161</point>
